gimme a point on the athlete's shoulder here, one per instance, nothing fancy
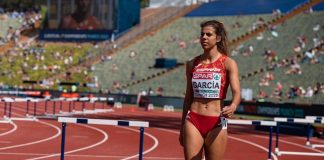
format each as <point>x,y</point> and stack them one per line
<point>230,63</point>
<point>191,63</point>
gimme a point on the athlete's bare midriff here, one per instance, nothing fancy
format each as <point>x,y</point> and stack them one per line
<point>208,107</point>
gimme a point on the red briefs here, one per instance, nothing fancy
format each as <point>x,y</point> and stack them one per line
<point>203,123</point>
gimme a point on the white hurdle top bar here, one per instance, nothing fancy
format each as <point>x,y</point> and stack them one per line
<point>314,117</point>
<point>252,122</point>
<point>81,99</point>
<point>104,122</point>
<point>298,120</point>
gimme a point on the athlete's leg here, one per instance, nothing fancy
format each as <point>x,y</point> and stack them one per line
<point>215,144</point>
<point>193,142</point>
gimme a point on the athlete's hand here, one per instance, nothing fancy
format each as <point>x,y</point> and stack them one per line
<point>228,111</point>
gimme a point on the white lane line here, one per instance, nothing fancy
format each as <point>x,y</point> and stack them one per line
<point>80,149</point>
<point>254,144</point>
<point>59,132</point>
<point>156,143</point>
<point>10,131</point>
<point>311,139</point>
<point>83,155</point>
<point>35,142</point>
<point>292,143</point>
<point>234,138</point>
<point>22,154</point>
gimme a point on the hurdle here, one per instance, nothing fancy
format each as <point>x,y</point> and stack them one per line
<point>32,106</point>
<point>141,124</point>
<point>317,118</point>
<point>301,121</point>
<point>271,124</point>
<point>72,111</point>
<point>7,106</point>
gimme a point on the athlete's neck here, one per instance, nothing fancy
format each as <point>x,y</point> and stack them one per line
<point>209,57</point>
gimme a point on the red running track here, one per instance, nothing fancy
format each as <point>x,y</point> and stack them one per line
<point>41,140</point>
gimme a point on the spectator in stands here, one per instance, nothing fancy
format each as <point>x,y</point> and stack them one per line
<point>81,18</point>
<point>277,92</point>
<point>297,48</point>
<point>317,88</point>
<point>236,25</point>
<point>159,91</point>
<point>292,93</point>
<point>270,55</point>
<point>116,85</point>
<point>276,12</point>
<point>132,75</point>
<point>160,53</point>
<point>2,41</point>
<point>294,67</point>
<point>261,96</point>
<point>309,92</point>
<point>203,125</point>
<point>132,54</point>
<point>182,44</point>
<point>302,41</point>
<point>308,56</point>
<point>10,33</point>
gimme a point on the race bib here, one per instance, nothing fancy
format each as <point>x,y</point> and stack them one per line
<point>206,84</point>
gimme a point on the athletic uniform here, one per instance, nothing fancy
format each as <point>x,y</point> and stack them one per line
<point>208,81</point>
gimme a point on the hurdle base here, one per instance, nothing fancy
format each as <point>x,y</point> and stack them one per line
<point>277,152</point>
<point>317,145</point>
<point>300,153</point>
<point>308,143</point>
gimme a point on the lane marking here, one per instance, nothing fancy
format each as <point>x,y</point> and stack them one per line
<point>234,138</point>
<point>80,149</point>
<point>15,127</point>
<point>80,155</point>
<point>35,142</point>
<point>311,139</point>
<point>292,143</point>
<point>254,144</point>
<point>156,143</point>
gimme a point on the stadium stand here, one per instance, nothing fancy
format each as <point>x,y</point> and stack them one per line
<point>170,90</point>
<point>94,63</point>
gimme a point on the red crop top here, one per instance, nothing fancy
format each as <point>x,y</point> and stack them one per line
<point>210,80</point>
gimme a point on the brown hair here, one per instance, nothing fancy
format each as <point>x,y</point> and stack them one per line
<point>222,45</point>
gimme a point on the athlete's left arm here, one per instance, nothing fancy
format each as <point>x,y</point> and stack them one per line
<point>233,74</point>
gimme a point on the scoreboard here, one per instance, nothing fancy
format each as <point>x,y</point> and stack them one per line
<point>88,20</point>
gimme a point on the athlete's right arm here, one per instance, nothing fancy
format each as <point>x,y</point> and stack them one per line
<point>188,98</point>
<point>189,92</point>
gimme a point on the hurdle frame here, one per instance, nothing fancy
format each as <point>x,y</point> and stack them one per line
<point>271,124</point>
<point>317,118</point>
<point>300,121</point>
<point>32,106</point>
<point>140,124</point>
